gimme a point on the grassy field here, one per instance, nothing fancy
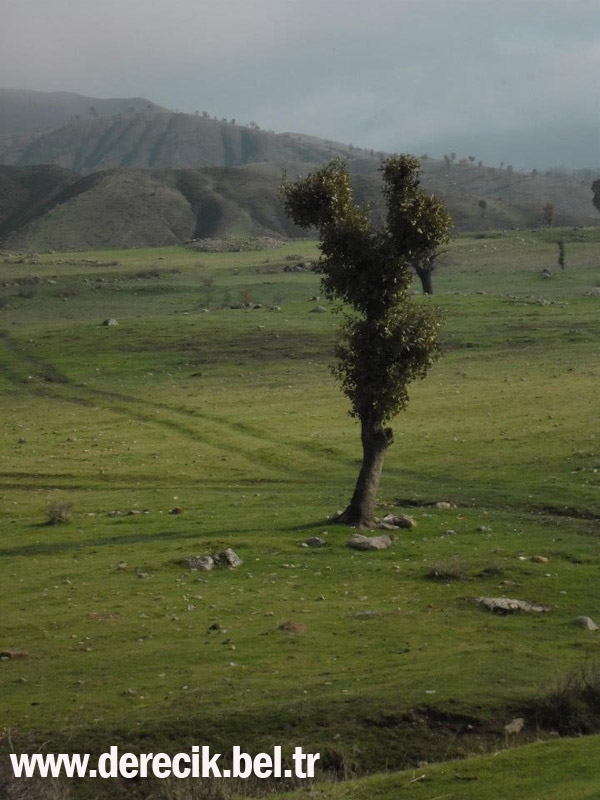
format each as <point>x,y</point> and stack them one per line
<point>228,417</point>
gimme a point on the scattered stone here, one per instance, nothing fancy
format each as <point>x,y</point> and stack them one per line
<point>359,541</point>
<point>176,510</point>
<point>540,559</point>
<point>514,727</point>
<point>204,563</point>
<point>228,558</point>
<point>293,627</point>
<point>110,322</point>
<point>133,512</point>
<point>401,521</point>
<point>587,623</point>
<point>143,575</point>
<point>443,505</point>
<point>505,605</point>
<point>314,541</point>
<point>546,273</point>
<point>484,529</point>
<point>8,655</point>
<point>103,616</point>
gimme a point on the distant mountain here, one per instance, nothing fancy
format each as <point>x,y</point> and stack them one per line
<point>28,112</point>
<point>124,173</point>
<point>50,208</point>
<point>161,139</point>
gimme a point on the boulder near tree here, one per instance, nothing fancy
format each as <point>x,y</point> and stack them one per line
<point>388,337</point>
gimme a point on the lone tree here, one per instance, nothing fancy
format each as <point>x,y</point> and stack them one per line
<point>548,214</point>
<point>596,191</point>
<point>561,253</point>
<point>387,338</point>
<point>424,266</point>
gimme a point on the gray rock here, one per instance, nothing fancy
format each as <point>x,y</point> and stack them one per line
<point>400,521</point>
<point>587,623</point>
<point>505,605</point>
<point>204,563</point>
<point>314,541</point>
<point>359,541</point>
<point>110,322</point>
<point>228,558</point>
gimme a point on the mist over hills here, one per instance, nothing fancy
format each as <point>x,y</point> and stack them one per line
<point>124,173</point>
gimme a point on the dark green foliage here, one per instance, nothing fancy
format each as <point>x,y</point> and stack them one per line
<point>377,360</point>
<point>390,339</point>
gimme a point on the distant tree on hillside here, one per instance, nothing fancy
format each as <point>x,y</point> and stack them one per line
<point>561,253</point>
<point>388,338</point>
<point>483,206</point>
<point>425,267</point>
<point>596,191</point>
<point>548,214</point>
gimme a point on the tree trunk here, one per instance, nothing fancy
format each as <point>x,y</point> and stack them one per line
<point>361,511</point>
<point>426,278</point>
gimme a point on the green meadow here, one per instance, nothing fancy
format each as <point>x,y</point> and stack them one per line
<point>208,419</point>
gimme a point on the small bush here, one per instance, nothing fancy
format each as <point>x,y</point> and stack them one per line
<point>453,569</point>
<point>571,706</point>
<point>59,513</point>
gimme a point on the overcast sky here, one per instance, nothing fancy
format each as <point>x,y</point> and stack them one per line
<point>510,80</point>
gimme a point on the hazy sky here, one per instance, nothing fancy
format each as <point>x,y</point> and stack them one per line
<point>511,80</point>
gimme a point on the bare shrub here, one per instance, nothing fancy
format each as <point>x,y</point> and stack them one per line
<point>12,788</point>
<point>452,569</point>
<point>571,705</point>
<point>58,513</point>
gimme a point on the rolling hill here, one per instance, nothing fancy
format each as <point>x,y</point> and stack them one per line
<point>121,177</point>
<point>27,112</point>
<point>160,139</point>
